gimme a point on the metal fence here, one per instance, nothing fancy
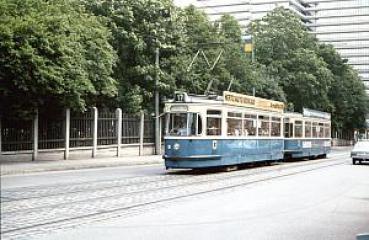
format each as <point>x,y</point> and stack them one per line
<point>81,126</point>
<point>51,133</point>
<point>107,128</point>
<point>18,135</point>
<point>130,128</point>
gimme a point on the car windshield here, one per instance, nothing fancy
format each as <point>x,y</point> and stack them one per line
<point>362,146</point>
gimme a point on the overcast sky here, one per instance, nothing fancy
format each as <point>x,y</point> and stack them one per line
<point>182,3</point>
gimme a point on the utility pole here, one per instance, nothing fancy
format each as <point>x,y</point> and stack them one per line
<point>253,50</point>
<point>157,116</point>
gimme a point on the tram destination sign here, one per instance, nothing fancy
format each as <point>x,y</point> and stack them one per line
<point>252,102</point>
<point>306,112</point>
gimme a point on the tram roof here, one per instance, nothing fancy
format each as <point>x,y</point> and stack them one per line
<point>230,99</point>
<point>251,102</point>
<point>296,115</point>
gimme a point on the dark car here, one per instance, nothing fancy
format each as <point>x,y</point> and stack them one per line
<point>360,152</point>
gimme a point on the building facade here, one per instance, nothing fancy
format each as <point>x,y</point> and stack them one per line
<point>342,23</point>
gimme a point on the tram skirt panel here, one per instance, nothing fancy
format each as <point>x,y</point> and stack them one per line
<point>298,148</point>
<point>204,153</point>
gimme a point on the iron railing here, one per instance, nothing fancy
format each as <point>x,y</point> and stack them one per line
<point>17,135</point>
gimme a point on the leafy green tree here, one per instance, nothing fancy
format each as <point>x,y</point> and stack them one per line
<point>284,46</point>
<point>248,77</point>
<point>347,92</point>
<point>139,27</point>
<point>233,66</point>
<point>311,74</point>
<point>52,54</point>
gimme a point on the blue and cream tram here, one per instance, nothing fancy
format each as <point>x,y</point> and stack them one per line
<point>307,134</point>
<point>228,130</point>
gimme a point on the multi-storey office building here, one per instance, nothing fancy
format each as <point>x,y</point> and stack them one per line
<point>342,23</point>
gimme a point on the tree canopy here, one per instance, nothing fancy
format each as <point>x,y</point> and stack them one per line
<point>312,74</point>
<point>53,53</point>
<point>78,53</point>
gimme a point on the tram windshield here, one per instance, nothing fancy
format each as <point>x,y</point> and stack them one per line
<point>184,124</point>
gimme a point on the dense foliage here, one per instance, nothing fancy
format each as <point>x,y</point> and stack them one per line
<point>311,74</point>
<point>78,53</point>
<point>52,53</point>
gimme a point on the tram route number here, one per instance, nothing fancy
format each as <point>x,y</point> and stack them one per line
<point>215,144</point>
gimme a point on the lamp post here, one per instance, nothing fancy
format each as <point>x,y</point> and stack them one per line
<point>157,116</point>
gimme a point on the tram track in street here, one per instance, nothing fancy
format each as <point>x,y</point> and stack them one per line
<point>36,193</point>
<point>191,180</point>
<point>197,179</point>
<point>177,191</point>
<point>83,187</point>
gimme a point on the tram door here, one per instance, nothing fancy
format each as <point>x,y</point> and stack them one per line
<point>288,128</point>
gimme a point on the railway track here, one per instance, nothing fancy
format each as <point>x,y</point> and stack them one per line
<point>71,205</point>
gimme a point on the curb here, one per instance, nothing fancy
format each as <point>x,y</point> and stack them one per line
<point>18,169</point>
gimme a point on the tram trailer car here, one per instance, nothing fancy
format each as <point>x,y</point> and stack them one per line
<point>220,131</point>
<point>307,134</point>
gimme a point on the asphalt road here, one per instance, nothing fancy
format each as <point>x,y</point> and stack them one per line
<point>94,174</point>
<point>83,175</point>
<point>330,202</point>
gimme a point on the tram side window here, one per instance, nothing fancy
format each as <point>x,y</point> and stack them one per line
<point>195,123</point>
<point>298,129</point>
<point>315,133</point>
<point>327,131</point>
<point>288,128</point>
<point>263,126</point>
<point>276,126</point>
<point>234,123</point>
<point>214,123</point>
<point>321,130</point>
<point>249,125</point>
<point>308,129</point>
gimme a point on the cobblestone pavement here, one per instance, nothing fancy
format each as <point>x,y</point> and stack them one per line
<point>32,211</point>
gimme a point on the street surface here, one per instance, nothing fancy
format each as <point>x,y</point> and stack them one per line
<point>319,199</point>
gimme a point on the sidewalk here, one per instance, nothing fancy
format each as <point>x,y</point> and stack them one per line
<point>24,167</point>
<point>27,166</point>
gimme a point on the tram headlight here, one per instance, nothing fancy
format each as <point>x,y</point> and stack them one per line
<point>176,146</point>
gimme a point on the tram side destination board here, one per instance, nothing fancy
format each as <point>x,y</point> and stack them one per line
<point>314,113</point>
<point>241,100</point>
